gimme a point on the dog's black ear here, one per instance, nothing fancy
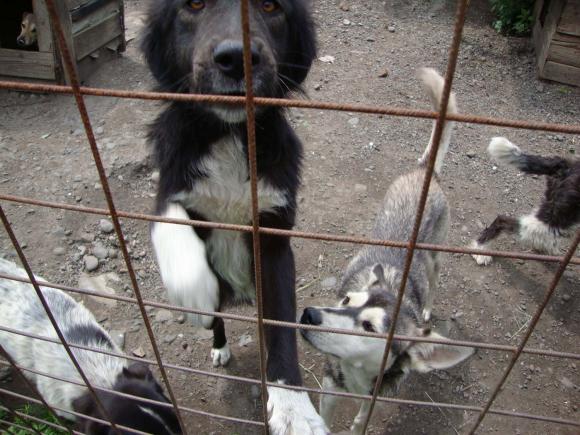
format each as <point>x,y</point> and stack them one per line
<point>84,404</point>
<point>301,49</point>
<point>138,370</point>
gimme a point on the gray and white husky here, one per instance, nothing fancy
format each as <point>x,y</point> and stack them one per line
<point>369,290</point>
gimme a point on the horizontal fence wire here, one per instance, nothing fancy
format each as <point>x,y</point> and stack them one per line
<point>250,319</point>
<point>250,102</point>
<point>302,104</point>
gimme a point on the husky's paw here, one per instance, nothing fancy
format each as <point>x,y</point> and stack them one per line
<point>221,357</point>
<point>291,413</point>
<point>482,260</point>
<point>426,315</point>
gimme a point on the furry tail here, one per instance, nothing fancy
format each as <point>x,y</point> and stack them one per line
<point>433,84</point>
<point>503,151</point>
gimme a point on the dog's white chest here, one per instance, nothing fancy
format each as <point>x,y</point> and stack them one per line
<point>224,193</point>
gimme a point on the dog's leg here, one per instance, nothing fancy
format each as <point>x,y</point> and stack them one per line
<point>499,225</point>
<point>290,412</point>
<point>328,402</point>
<point>185,272</point>
<point>220,352</point>
<point>359,420</point>
<point>433,278</point>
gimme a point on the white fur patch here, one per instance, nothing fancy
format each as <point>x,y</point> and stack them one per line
<point>355,299</point>
<point>503,151</point>
<point>182,261</point>
<point>224,195</point>
<point>375,315</point>
<point>538,235</point>
<point>221,357</point>
<point>291,413</point>
<point>482,260</point>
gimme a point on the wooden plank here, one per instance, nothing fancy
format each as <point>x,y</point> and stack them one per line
<point>570,20</point>
<point>73,4</point>
<point>94,38</point>
<point>43,30</point>
<point>543,33</point>
<point>96,17</point>
<point>558,72</point>
<point>64,19</point>
<point>30,64</point>
<point>565,49</point>
<point>87,9</point>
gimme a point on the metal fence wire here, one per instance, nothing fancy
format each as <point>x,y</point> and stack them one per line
<point>410,246</point>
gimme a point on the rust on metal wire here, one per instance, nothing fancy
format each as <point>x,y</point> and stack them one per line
<point>250,319</point>
<point>530,329</point>
<point>253,170</point>
<point>50,316</point>
<point>435,141</point>
<point>290,233</point>
<point>301,104</point>
<point>75,84</point>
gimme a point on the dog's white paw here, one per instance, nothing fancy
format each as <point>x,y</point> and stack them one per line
<point>221,357</point>
<point>291,413</point>
<point>426,315</point>
<point>482,260</point>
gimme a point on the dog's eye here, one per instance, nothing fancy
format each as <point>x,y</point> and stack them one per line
<point>270,6</point>
<point>196,5</point>
<point>368,326</point>
<point>345,301</point>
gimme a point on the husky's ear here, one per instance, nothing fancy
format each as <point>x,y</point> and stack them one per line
<point>425,357</point>
<point>138,370</point>
<point>378,276</point>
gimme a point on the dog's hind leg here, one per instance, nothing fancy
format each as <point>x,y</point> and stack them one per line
<point>537,234</point>
<point>359,421</point>
<point>499,225</point>
<point>220,352</point>
<point>433,269</point>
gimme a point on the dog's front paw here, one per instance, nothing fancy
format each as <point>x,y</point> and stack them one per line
<point>291,413</point>
<point>482,260</point>
<point>221,357</point>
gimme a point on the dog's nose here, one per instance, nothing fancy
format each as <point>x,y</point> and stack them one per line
<point>20,41</point>
<point>229,57</point>
<point>311,316</point>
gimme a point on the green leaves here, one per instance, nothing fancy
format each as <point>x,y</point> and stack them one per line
<point>514,17</point>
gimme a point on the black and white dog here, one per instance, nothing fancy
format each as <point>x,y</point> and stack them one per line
<point>557,215</point>
<point>195,46</point>
<point>21,309</point>
<point>369,291</point>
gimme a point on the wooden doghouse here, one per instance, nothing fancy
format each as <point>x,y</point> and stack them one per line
<point>557,40</point>
<point>94,29</point>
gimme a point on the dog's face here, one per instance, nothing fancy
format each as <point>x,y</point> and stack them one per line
<point>136,380</point>
<point>27,35</point>
<point>371,310</point>
<point>196,46</point>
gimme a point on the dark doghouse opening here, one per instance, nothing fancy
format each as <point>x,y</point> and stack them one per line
<point>11,14</point>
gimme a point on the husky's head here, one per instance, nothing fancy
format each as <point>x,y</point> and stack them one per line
<point>371,310</point>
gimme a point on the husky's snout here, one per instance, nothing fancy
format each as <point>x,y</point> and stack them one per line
<point>311,316</point>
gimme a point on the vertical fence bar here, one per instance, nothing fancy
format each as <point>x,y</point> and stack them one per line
<point>439,125</point>
<point>253,167</point>
<point>530,330</point>
<point>28,270</point>
<point>75,84</point>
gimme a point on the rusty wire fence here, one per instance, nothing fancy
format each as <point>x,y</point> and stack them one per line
<point>410,246</point>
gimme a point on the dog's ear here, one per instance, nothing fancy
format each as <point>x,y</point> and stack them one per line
<point>138,370</point>
<point>425,357</point>
<point>379,274</point>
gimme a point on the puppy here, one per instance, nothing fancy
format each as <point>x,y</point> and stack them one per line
<point>27,37</point>
<point>370,285</point>
<point>558,213</point>
<point>21,309</point>
<point>195,46</point>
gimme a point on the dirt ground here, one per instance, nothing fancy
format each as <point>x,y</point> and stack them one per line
<point>349,161</point>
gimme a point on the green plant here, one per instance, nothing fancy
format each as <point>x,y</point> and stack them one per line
<point>38,412</point>
<point>514,17</point>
